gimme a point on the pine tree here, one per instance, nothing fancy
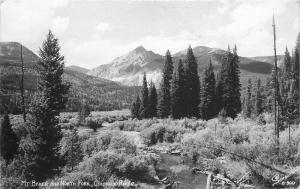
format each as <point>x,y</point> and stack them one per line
<point>152,100</point>
<point>287,63</point>
<point>219,102</point>
<point>249,105</point>
<point>228,86</point>
<point>192,84</point>
<point>178,92</point>
<point>84,111</point>
<point>164,99</point>
<point>224,87</point>
<point>208,94</point>
<point>236,83</point>
<point>294,96</point>
<point>9,140</point>
<point>175,94</point>
<point>71,150</point>
<point>40,149</point>
<point>135,109</point>
<point>296,64</point>
<point>51,69</point>
<point>144,108</point>
<point>258,106</point>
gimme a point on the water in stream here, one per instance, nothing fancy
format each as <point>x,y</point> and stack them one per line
<point>179,169</point>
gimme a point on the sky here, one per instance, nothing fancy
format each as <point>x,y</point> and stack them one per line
<point>94,32</point>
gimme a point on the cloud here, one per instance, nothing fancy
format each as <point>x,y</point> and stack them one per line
<point>96,51</point>
<point>103,26</point>
<point>60,24</point>
<point>28,21</point>
<point>225,6</point>
<point>208,16</point>
<point>296,24</point>
<point>250,26</point>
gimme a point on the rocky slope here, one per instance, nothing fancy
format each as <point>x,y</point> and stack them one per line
<point>128,69</point>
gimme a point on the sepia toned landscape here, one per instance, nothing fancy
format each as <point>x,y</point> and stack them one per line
<point>163,94</point>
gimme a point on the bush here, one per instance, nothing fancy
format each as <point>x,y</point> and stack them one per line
<point>93,124</point>
<point>80,177</point>
<point>71,149</point>
<point>121,144</point>
<point>163,132</point>
<point>102,163</point>
<point>96,144</point>
<point>138,168</point>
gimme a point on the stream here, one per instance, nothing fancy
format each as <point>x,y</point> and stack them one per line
<point>177,170</point>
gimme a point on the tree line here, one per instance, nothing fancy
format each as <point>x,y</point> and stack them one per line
<point>259,99</point>
<point>181,94</point>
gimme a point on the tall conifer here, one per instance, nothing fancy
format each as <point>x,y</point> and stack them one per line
<point>208,94</point>
<point>135,108</point>
<point>175,94</point>
<point>228,86</point>
<point>249,105</point>
<point>236,83</point>
<point>258,104</point>
<point>152,100</point>
<point>144,108</point>
<point>192,84</point>
<point>40,149</point>
<point>164,94</point>
<point>9,140</point>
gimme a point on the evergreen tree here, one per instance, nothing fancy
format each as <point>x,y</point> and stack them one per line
<point>9,140</point>
<point>40,149</point>
<point>182,88</point>
<point>152,100</point>
<point>175,94</point>
<point>228,86</point>
<point>249,105</point>
<point>144,108</point>
<point>71,150</point>
<point>208,94</point>
<point>237,104</point>
<point>84,111</point>
<point>164,99</point>
<point>294,96</point>
<point>287,63</point>
<point>135,109</point>
<point>258,106</point>
<point>224,88</point>
<point>219,102</point>
<point>296,65</point>
<point>192,84</point>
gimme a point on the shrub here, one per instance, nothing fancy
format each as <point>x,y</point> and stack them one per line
<point>137,168</point>
<point>121,143</point>
<point>96,144</point>
<point>102,163</point>
<point>71,150</point>
<point>80,177</point>
<point>93,124</point>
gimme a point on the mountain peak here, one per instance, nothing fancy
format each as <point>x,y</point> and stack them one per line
<point>139,49</point>
<point>12,50</point>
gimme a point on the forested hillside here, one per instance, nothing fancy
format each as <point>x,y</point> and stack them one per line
<point>102,94</point>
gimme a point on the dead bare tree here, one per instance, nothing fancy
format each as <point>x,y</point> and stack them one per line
<point>22,86</point>
<point>276,95</point>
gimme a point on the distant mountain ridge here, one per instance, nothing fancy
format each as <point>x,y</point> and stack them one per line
<point>77,69</point>
<point>128,68</point>
<point>10,63</point>
<point>102,94</point>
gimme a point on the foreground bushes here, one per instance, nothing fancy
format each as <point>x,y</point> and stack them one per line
<point>108,140</point>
